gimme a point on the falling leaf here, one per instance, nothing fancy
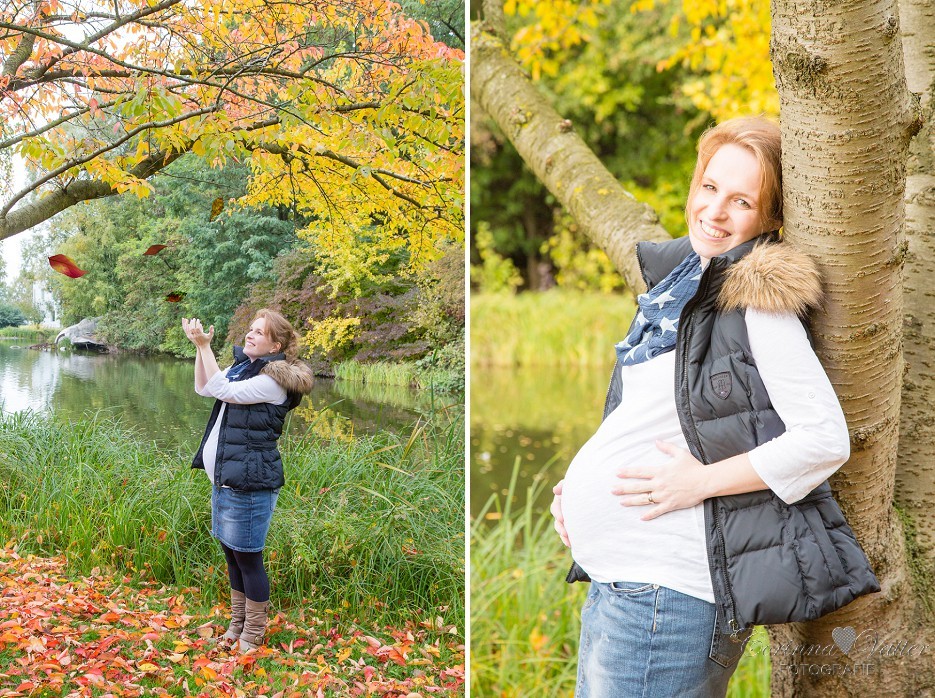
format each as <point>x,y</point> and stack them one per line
<point>175,297</point>
<point>216,207</point>
<point>155,249</point>
<point>63,265</point>
<point>205,631</point>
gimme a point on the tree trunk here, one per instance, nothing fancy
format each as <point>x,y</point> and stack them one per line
<point>915,474</point>
<point>608,214</point>
<point>847,120</point>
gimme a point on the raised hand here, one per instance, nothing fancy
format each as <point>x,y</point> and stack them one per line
<point>196,333</point>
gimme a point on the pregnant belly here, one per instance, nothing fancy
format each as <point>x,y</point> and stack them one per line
<point>592,512</point>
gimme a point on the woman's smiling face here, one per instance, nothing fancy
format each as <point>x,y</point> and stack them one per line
<point>724,212</point>
<point>257,343</point>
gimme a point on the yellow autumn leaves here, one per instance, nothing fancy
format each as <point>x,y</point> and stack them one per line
<point>724,44</point>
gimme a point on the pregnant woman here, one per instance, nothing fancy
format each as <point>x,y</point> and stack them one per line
<point>701,507</point>
<point>239,454</point>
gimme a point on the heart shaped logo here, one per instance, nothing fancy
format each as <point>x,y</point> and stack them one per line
<point>844,638</point>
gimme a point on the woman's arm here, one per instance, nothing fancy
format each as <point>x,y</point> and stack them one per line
<point>205,363</point>
<point>814,445</point>
<point>209,364</point>
<point>254,390</point>
<point>684,481</point>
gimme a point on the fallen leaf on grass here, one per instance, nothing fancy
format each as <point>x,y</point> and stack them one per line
<point>94,635</point>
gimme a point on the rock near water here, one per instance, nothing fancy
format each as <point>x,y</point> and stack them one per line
<point>83,335</point>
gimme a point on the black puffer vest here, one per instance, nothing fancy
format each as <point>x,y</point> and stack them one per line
<point>770,562</point>
<point>248,458</point>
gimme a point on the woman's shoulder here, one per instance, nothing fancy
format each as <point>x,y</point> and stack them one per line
<point>292,374</point>
<point>774,277</point>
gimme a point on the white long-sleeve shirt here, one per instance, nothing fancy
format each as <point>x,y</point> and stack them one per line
<point>610,541</point>
<point>254,390</point>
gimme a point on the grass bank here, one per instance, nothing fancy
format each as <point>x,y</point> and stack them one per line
<point>554,328</point>
<point>525,618</point>
<point>27,334</point>
<point>372,527</point>
<point>410,375</point>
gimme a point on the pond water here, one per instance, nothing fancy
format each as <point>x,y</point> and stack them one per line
<point>537,418</point>
<point>155,396</point>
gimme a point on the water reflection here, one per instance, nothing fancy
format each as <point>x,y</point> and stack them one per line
<point>155,397</point>
<point>540,417</point>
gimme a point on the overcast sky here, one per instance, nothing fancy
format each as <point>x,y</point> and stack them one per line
<point>11,246</point>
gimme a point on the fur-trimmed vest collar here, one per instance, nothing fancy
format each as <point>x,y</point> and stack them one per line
<point>773,277</point>
<point>763,273</point>
<point>292,374</point>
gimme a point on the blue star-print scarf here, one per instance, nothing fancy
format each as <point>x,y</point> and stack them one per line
<point>236,371</point>
<point>655,327</point>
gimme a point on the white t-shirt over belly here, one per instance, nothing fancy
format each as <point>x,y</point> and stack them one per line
<point>612,544</point>
<point>254,390</point>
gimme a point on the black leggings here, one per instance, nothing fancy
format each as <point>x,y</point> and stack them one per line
<point>247,573</point>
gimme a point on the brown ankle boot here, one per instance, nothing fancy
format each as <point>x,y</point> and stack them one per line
<point>254,625</point>
<point>238,610</point>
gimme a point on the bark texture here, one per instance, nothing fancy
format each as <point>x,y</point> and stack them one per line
<point>42,208</point>
<point>915,475</point>
<point>847,121</point>
<point>607,213</point>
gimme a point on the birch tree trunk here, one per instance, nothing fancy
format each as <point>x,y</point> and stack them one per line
<point>847,120</point>
<point>915,474</point>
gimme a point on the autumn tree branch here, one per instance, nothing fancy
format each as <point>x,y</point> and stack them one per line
<point>76,162</point>
<point>609,215</point>
<point>35,212</point>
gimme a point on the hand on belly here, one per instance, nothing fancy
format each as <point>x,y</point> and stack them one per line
<point>672,485</point>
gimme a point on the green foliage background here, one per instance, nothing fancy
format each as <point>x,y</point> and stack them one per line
<point>631,114</point>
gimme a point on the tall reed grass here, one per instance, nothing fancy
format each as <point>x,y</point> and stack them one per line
<point>554,328</point>
<point>399,374</point>
<point>380,372</point>
<point>525,618</point>
<point>27,334</point>
<point>372,528</point>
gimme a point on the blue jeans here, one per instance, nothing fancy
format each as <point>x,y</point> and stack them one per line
<point>240,520</point>
<point>647,641</point>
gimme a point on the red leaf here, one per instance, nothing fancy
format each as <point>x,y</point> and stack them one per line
<point>175,297</point>
<point>155,249</point>
<point>63,265</point>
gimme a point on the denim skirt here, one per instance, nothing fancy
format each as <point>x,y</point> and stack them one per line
<point>240,520</point>
<point>647,641</point>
